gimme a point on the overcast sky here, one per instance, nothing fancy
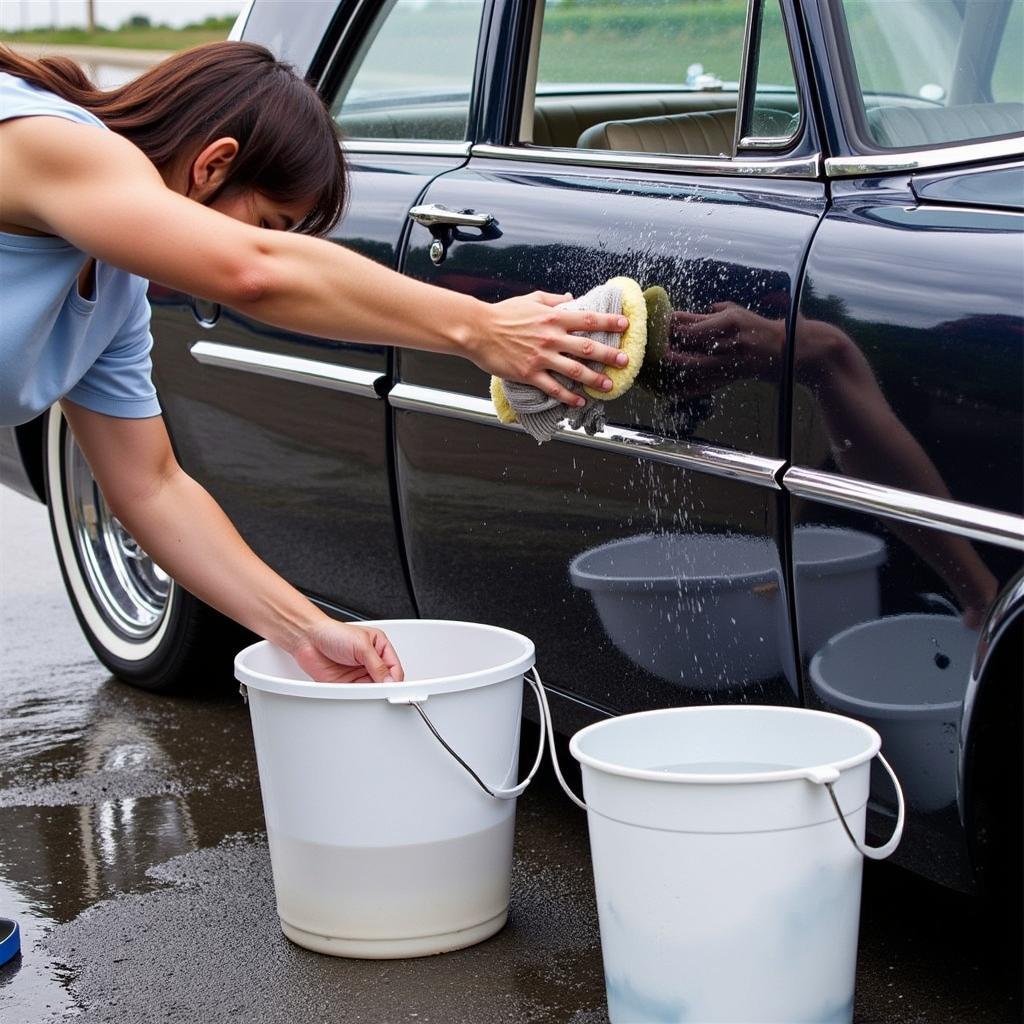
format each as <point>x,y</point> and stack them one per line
<point>16,14</point>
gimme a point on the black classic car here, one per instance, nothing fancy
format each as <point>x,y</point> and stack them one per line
<point>813,496</point>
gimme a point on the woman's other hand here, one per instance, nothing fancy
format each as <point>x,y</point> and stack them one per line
<point>525,338</point>
<point>337,652</point>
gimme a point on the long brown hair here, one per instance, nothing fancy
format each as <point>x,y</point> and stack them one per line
<point>288,143</point>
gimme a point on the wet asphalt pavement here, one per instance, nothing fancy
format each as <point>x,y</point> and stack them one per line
<point>133,854</point>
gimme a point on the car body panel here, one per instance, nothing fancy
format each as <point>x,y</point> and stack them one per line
<point>910,344</point>
<point>518,515</point>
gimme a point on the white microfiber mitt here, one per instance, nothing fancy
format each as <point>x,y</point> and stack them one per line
<point>539,413</point>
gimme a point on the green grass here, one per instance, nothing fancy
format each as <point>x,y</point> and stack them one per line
<point>157,37</point>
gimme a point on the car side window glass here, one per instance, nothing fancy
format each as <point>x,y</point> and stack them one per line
<point>772,115</point>
<point>1008,70</point>
<point>412,76</point>
<point>649,76</point>
<point>933,72</point>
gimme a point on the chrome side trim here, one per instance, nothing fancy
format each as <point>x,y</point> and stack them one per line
<point>301,371</point>
<point>402,147</point>
<point>238,29</point>
<point>969,521</point>
<point>798,167</point>
<point>767,141</point>
<point>623,440</point>
<point>896,163</point>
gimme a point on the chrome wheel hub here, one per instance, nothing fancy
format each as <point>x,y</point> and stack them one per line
<point>128,588</point>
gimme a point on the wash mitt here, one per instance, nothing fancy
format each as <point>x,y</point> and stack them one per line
<point>538,413</point>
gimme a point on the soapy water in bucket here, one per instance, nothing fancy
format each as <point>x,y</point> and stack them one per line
<point>429,879</point>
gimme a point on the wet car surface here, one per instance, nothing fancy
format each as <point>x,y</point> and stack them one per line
<point>133,854</point>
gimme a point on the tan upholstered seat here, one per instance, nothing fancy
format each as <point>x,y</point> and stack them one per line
<point>709,133</point>
<point>930,126</point>
<point>560,120</point>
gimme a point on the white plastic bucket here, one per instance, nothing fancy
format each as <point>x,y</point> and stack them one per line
<point>727,846</point>
<point>390,807</point>
<point>904,675</point>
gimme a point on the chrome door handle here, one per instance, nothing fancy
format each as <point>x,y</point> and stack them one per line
<point>433,214</point>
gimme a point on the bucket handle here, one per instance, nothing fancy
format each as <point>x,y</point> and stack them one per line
<point>494,791</point>
<point>827,777</point>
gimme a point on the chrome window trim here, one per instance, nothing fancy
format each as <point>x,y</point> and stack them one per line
<point>622,440</point>
<point>768,141</point>
<point>916,160</point>
<point>402,147</point>
<point>362,383</point>
<point>793,167</point>
<point>238,28</point>
<point>971,521</point>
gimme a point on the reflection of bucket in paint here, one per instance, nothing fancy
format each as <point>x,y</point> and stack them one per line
<point>905,676</point>
<point>700,610</point>
<point>836,581</point>
<point>381,844</point>
<point>727,888</point>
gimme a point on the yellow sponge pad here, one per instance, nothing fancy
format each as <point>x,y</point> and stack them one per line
<point>659,318</point>
<point>506,414</point>
<point>633,341</point>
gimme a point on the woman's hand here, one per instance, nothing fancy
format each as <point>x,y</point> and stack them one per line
<point>336,652</point>
<point>525,338</point>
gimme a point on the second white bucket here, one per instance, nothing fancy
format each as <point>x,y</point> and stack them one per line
<point>390,807</point>
<point>727,845</point>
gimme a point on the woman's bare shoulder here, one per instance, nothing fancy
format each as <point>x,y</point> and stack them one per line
<point>39,154</point>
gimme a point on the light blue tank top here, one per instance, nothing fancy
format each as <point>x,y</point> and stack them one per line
<point>54,342</point>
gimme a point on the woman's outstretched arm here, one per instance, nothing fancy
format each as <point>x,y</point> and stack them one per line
<point>187,534</point>
<point>101,193</point>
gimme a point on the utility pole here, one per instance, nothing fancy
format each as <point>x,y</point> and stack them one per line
<point>90,15</point>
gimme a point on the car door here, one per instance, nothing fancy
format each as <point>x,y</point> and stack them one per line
<point>908,468</point>
<point>290,432</point>
<point>646,561</point>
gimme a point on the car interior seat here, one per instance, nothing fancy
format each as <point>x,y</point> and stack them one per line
<point>930,126</point>
<point>709,133</point>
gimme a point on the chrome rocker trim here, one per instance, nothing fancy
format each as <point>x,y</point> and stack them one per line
<point>362,383</point>
<point>624,440</point>
<point>980,524</point>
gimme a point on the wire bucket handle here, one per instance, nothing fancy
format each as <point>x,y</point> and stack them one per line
<point>828,777</point>
<point>493,791</point>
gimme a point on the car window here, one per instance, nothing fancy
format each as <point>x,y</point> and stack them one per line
<point>929,72</point>
<point>774,84</point>
<point>412,76</point>
<point>653,76</point>
<point>1008,72</point>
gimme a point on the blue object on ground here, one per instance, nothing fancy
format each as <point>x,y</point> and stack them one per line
<point>10,940</point>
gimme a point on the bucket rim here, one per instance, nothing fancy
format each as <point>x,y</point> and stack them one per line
<point>417,689</point>
<point>873,708</point>
<point>591,580</point>
<point>873,555</point>
<point>725,778</point>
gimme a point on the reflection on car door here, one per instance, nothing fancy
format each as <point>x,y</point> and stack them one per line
<point>646,561</point>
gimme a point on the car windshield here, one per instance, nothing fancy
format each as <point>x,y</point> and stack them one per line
<point>930,72</point>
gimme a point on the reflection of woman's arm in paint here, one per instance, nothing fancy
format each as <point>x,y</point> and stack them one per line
<point>868,439</point>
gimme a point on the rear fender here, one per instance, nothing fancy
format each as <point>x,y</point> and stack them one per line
<point>993,689</point>
<point>21,459</point>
